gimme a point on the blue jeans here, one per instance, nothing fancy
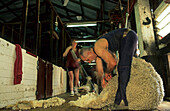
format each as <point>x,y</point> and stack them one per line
<point>126,51</point>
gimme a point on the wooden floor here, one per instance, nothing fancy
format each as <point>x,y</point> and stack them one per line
<point>165,106</point>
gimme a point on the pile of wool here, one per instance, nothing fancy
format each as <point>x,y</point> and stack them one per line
<point>82,101</point>
<point>25,105</point>
<point>144,91</point>
<point>53,102</point>
<point>87,87</point>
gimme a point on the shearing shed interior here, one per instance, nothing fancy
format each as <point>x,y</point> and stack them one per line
<point>35,35</point>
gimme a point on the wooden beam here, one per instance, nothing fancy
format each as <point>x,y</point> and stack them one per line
<point>61,7</point>
<point>117,1</point>
<point>7,4</point>
<point>31,9</point>
<point>82,10</point>
<point>6,11</point>
<point>145,33</point>
<point>37,25</point>
<point>66,10</point>
<point>97,18</point>
<point>55,35</point>
<point>101,14</point>
<point>51,33</point>
<point>9,9</point>
<point>85,5</point>
<point>22,38</point>
<point>52,6</point>
<point>3,30</point>
<point>39,40</point>
<point>12,34</point>
<point>72,19</point>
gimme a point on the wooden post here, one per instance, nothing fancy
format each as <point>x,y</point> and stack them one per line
<point>22,38</point>
<point>39,40</point>
<point>12,34</point>
<point>51,34</point>
<point>102,15</point>
<point>37,26</point>
<point>3,30</point>
<point>63,45</point>
<point>144,28</point>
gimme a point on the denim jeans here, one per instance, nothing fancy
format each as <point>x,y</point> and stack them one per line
<point>126,51</point>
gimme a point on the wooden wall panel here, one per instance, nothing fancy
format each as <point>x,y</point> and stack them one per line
<point>59,80</point>
<point>9,93</point>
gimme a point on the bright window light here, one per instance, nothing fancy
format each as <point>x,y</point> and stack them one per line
<point>86,41</point>
<point>80,25</point>
<point>165,21</point>
<point>166,30</point>
<point>163,14</point>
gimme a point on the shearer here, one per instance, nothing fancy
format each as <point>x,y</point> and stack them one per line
<point>125,42</point>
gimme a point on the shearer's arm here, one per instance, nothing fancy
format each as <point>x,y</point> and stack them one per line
<point>101,49</point>
<point>66,51</point>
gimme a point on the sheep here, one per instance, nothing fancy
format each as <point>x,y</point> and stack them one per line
<point>144,91</point>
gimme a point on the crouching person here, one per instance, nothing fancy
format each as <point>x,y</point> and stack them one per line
<point>122,40</point>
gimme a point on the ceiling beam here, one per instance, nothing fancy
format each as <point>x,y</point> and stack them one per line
<point>7,4</point>
<point>88,6</point>
<point>6,11</point>
<point>31,9</point>
<point>102,14</point>
<point>67,12</point>
<point>18,9</point>
<point>77,28</point>
<point>117,1</point>
<point>9,9</point>
<point>85,5</point>
<point>82,10</point>
<point>58,6</point>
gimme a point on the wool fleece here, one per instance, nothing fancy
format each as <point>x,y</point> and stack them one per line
<point>145,89</point>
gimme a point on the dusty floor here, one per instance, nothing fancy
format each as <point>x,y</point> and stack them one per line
<point>165,106</point>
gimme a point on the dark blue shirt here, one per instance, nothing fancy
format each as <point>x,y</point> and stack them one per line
<point>114,37</point>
